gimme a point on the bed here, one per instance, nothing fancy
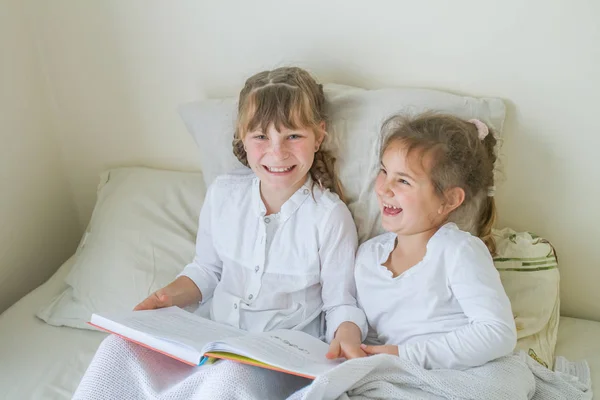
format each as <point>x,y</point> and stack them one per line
<point>143,228</point>
<point>39,361</point>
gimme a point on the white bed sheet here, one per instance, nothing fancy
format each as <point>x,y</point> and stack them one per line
<point>579,339</point>
<point>39,361</point>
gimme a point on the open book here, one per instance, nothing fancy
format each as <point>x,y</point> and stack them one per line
<point>195,340</point>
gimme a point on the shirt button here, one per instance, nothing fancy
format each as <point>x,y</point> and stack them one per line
<point>250,297</point>
<point>305,191</point>
<point>267,220</point>
<point>235,306</point>
<point>256,268</point>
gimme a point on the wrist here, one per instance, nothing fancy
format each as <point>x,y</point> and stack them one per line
<point>184,292</point>
<point>348,329</point>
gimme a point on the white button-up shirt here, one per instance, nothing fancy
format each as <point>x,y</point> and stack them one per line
<point>448,311</point>
<point>282,280</point>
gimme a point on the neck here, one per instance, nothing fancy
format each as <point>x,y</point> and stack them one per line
<point>415,242</point>
<point>274,198</point>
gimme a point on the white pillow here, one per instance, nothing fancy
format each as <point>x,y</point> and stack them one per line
<point>355,118</point>
<point>144,224</point>
<point>141,235</point>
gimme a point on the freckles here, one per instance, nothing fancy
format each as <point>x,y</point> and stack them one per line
<point>301,150</point>
<point>255,149</point>
<point>301,145</point>
<point>253,156</point>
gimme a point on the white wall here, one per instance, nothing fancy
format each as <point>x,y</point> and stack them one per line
<point>119,68</point>
<point>38,220</point>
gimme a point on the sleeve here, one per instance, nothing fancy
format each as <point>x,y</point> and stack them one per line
<point>337,253</point>
<point>491,332</point>
<point>205,269</point>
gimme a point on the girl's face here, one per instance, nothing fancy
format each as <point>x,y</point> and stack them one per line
<point>408,200</point>
<point>281,159</point>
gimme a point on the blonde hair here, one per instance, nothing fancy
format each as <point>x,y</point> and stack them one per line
<point>286,97</point>
<point>460,159</point>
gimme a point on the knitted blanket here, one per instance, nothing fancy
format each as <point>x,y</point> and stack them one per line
<point>122,370</point>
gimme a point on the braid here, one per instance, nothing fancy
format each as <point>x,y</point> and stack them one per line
<point>323,172</point>
<point>239,151</point>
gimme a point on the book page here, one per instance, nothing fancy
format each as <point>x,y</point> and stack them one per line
<point>170,324</point>
<point>294,351</point>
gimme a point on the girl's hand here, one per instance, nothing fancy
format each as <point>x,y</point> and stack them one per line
<point>181,292</point>
<point>385,349</point>
<point>346,342</point>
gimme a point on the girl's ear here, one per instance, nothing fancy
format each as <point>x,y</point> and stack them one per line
<point>320,137</point>
<point>454,197</point>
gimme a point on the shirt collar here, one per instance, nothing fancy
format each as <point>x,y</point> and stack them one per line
<point>390,241</point>
<point>289,207</point>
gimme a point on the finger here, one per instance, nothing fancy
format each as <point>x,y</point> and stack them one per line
<point>151,302</point>
<point>371,349</point>
<point>147,304</point>
<point>354,352</point>
<point>334,350</point>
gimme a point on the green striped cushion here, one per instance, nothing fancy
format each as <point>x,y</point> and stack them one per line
<point>528,267</point>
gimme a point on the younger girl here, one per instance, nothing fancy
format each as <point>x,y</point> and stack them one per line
<point>275,247</point>
<point>430,290</point>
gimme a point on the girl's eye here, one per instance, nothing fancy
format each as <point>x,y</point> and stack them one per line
<point>382,171</point>
<point>260,137</point>
<point>404,182</point>
<point>294,136</point>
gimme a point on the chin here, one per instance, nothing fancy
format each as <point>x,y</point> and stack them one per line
<point>388,227</point>
<point>280,182</point>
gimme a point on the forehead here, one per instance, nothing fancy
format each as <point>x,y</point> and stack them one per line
<point>416,162</point>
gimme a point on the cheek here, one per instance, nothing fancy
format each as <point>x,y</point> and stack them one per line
<point>379,181</point>
<point>432,199</point>
<point>303,150</point>
<point>254,151</point>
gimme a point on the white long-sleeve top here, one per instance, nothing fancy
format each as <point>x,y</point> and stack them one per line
<point>448,311</point>
<point>266,272</point>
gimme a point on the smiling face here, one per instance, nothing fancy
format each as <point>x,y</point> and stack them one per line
<point>408,200</point>
<point>281,158</point>
<point>280,126</point>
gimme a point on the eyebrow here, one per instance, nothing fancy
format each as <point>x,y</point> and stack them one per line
<point>403,174</point>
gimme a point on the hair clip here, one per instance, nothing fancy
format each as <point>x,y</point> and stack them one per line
<point>482,128</point>
<point>491,191</point>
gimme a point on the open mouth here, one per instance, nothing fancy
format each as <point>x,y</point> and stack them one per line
<point>391,210</point>
<point>279,170</point>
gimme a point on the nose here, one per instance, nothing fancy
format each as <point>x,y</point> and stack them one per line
<point>279,149</point>
<point>383,189</point>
